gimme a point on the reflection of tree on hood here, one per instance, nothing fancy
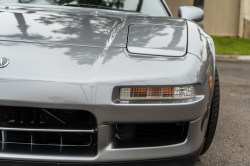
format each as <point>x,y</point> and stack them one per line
<point>23,27</point>
<point>80,30</point>
<point>91,29</point>
<point>86,28</point>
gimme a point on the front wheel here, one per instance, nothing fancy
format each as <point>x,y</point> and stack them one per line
<point>214,114</point>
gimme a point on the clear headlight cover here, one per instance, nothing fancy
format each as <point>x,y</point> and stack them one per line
<point>157,93</point>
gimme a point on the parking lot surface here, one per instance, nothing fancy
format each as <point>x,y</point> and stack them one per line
<point>231,145</point>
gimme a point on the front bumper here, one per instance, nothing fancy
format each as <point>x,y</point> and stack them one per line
<point>188,160</point>
<point>108,153</point>
<point>108,115</point>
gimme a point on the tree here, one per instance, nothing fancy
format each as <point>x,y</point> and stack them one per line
<point>199,3</point>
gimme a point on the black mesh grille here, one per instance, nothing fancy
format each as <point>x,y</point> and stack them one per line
<point>69,117</point>
<point>159,131</point>
<point>150,131</point>
<point>42,127</point>
<point>137,135</point>
<point>46,117</point>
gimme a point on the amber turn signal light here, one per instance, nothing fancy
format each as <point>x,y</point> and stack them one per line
<point>211,82</point>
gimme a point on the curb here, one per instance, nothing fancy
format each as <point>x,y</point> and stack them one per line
<point>233,58</point>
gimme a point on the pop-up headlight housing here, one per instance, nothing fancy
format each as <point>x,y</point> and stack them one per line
<point>161,40</point>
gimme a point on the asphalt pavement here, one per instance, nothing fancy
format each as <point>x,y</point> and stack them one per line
<point>231,144</point>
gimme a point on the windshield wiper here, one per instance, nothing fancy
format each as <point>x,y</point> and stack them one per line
<point>97,6</point>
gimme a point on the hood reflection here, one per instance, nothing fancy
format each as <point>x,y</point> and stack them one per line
<point>73,30</point>
<point>68,29</point>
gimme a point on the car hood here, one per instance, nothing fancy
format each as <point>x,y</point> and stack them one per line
<point>60,56</point>
<point>91,27</point>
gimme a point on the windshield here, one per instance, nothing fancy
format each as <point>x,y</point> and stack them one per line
<point>150,7</point>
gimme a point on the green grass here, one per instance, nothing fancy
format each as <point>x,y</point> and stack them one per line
<point>231,46</point>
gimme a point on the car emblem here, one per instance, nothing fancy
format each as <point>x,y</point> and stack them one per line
<point>4,62</point>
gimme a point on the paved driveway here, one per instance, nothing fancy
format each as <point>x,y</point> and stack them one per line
<point>231,145</point>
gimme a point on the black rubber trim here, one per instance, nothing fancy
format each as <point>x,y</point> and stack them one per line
<point>181,161</point>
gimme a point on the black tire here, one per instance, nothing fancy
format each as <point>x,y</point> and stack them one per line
<point>214,114</point>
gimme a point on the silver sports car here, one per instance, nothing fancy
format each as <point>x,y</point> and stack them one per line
<point>112,82</point>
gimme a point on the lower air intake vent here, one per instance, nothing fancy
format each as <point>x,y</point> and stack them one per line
<point>49,131</point>
<point>141,135</point>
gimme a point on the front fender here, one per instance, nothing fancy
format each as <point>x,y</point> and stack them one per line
<point>201,45</point>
